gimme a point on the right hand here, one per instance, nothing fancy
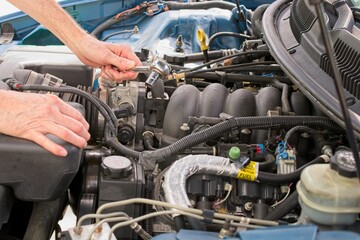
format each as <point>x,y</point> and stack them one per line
<point>31,116</point>
<point>115,60</point>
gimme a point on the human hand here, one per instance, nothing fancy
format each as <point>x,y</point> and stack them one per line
<point>31,116</point>
<point>115,60</point>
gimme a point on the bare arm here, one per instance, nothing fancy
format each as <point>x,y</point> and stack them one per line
<point>88,49</point>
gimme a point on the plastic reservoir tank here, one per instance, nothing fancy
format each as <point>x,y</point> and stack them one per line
<point>330,194</point>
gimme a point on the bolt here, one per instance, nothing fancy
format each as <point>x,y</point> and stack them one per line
<point>248,206</point>
<point>184,127</point>
<point>136,30</point>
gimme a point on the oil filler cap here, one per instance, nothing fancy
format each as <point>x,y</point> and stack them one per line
<point>116,167</point>
<point>344,163</point>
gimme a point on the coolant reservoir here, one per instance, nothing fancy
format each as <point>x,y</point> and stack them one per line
<point>330,194</point>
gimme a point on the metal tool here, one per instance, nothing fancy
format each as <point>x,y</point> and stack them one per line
<point>141,69</point>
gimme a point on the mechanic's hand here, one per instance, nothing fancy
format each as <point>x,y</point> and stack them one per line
<point>115,60</point>
<point>31,116</point>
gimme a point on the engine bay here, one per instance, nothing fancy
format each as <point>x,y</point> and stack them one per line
<point>231,130</point>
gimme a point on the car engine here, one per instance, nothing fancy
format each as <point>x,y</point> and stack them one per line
<point>232,129</point>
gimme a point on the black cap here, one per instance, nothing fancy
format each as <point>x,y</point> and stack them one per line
<point>116,167</point>
<point>344,163</point>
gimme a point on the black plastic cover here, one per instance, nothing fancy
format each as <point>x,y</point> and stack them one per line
<point>34,173</point>
<point>6,201</point>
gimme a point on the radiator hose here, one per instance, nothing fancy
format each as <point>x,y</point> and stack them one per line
<point>284,208</point>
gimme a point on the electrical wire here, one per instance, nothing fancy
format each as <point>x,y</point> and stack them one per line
<point>229,34</point>
<point>226,197</point>
<point>284,198</point>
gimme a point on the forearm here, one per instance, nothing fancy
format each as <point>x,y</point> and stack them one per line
<point>51,15</point>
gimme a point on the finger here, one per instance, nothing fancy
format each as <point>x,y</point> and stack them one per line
<point>124,51</point>
<point>65,134</point>
<point>74,125</point>
<point>73,113</point>
<point>117,76</point>
<point>121,63</point>
<point>47,144</point>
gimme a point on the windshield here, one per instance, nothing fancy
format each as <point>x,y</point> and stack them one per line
<point>7,8</point>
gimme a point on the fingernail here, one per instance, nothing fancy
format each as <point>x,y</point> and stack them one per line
<point>63,153</point>
<point>131,64</point>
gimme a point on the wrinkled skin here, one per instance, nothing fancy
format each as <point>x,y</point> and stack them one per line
<point>115,60</point>
<point>32,116</point>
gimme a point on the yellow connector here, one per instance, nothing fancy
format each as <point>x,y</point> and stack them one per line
<point>202,39</point>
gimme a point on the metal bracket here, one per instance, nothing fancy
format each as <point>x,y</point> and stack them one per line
<point>7,33</point>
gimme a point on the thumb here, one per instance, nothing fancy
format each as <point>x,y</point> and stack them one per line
<point>121,63</point>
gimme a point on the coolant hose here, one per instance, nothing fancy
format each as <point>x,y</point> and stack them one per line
<point>284,208</point>
<point>200,5</point>
<point>284,95</point>
<point>149,158</point>
<point>179,223</point>
<point>290,177</point>
<point>157,89</point>
<point>256,20</point>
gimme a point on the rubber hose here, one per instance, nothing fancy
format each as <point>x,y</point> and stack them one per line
<point>300,128</point>
<point>286,178</point>
<point>268,164</point>
<point>179,223</point>
<point>284,208</point>
<point>201,5</point>
<point>284,95</point>
<point>256,20</point>
<point>157,90</point>
<point>228,34</point>
<point>239,122</point>
<point>195,224</point>
<point>110,22</point>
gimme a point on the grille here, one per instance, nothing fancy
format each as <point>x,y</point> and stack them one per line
<point>348,60</point>
<point>301,18</point>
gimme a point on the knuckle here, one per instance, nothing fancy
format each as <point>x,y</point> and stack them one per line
<point>52,98</point>
<point>78,128</point>
<point>64,134</point>
<point>48,110</point>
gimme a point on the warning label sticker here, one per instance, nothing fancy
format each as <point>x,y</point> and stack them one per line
<point>249,172</point>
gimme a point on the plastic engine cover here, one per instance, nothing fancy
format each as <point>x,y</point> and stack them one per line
<point>34,173</point>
